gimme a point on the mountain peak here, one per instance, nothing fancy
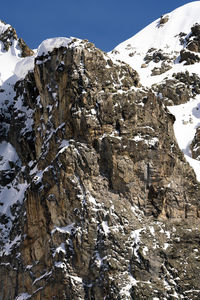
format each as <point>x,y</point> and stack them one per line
<point>100,168</point>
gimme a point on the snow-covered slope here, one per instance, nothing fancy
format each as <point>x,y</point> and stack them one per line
<point>155,53</point>
<point>165,36</point>
<point>10,56</point>
<point>158,35</point>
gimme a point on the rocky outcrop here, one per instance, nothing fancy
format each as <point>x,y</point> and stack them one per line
<point>8,36</point>
<point>178,90</point>
<point>192,44</point>
<point>107,196</point>
<point>193,40</point>
<point>163,20</point>
<point>25,50</point>
<point>195,146</point>
<point>189,57</point>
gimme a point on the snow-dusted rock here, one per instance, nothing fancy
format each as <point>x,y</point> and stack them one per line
<point>97,199</point>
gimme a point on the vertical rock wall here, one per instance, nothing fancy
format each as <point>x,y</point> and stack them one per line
<point>109,196</point>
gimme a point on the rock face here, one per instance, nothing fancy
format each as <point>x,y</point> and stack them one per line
<point>97,199</point>
<point>8,36</point>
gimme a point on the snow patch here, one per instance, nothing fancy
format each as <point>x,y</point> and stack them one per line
<point>60,264</point>
<point>187,120</point>
<point>24,66</point>
<point>67,229</point>
<point>59,249</point>
<point>7,154</point>
<point>125,291</point>
<point>48,45</point>
<point>135,237</point>
<point>64,145</point>
<point>105,227</point>
<point>41,277</point>
<point>23,296</point>
<point>8,246</point>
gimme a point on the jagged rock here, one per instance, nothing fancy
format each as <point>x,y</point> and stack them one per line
<point>195,146</point>
<point>26,51</point>
<point>102,203</point>
<point>191,81</point>
<point>193,41</point>
<point>164,68</point>
<point>180,89</point>
<point>7,37</point>
<point>144,66</point>
<point>189,57</point>
<point>193,46</point>
<point>156,56</point>
<point>163,20</point>
<point>91,179</point>
<point>170,90</point>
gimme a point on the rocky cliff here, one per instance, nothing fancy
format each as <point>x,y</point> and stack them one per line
<point>97,200</point>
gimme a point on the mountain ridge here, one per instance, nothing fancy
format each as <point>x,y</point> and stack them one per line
<point>97,199</point>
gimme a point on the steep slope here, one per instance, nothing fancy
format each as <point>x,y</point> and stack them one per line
<point>13,51</point>
<point>166,54</point>
<point>97,201</point>
<point>12,188</point>
<point>160,44</point>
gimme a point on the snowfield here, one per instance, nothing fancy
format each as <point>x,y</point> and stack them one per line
<point>165,37</point>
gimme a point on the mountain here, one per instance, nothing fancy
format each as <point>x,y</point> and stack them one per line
<point>99,161</point>
<point>161,53</point>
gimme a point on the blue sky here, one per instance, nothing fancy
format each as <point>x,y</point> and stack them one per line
<point>106,23</point>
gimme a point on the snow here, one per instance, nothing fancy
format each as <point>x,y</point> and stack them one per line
<point>59,249</point>
<point>135,237</point>
<point>8,61</point>
<point>10,195</point>
<point>166,245</point>
<point>67,229</point>
<point>42,277</point>
<point>9,245</point>
<point>24,66</point>
<point>159,37</point>
<point>145,250</point>
<point>91,199</point>
<point>76,278</point>
<point>3,27</point>
<point>98,259</point>
<point>7,153</point>
<point>187,120</point>
<point>105,227</point>
<point>60,264</point>
<point>23,296</point>
<point>152,231</point>
<point>125,291</point>
<point>49,44</point>
<point>168,234</point>
<point>64,145</point>
<point>166,38</point>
